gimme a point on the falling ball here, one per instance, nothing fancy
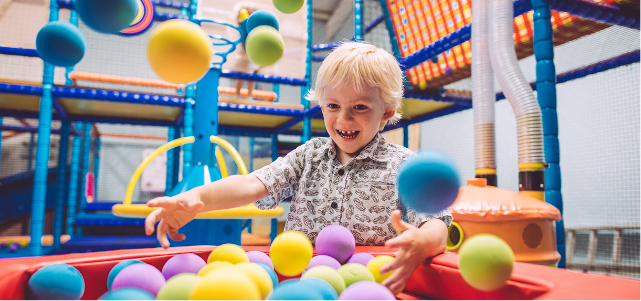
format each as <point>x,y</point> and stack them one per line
<point>355,272</point>
<point>57,282</point>
<point>107,16</point>
<point>336,241</point>
<point>178,287</point>
<point>288,6</point>
<point>486,262</point>
<point>261,17</point>
<point>228,252</point>
<point>367,290</point>
<point>127,293</point>
<point>264,46</point>
<point>140,275</point>
<point>60,43</point>
<point>182,263</point>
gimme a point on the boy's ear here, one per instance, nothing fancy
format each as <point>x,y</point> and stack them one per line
<point>389,113</point>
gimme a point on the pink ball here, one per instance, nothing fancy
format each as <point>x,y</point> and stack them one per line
<point>336,241</point>
<point>258,256</point>
<point>367,290</point>
<point>140,275</point>
<point>183,263</point>
<point>362,258</point>
<point>323,260</point>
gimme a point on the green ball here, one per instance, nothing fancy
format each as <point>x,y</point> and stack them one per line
<point>355,272</point>
<point>178,287</point>
<point>288,6</point>
<point>264,46</point>
<point>486,262</point>
<point>328,274</point>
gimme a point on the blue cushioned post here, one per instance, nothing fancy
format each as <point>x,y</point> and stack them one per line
<point>546,79</point>
<point>74,170</point>
<point>188,129</point>
<point>60,184</point>
<point>206,116</point>
<point>169,179</point>
<point>86,150</point>
<point>307,119</point>
<point>96,167</point>
<point>358,20</point>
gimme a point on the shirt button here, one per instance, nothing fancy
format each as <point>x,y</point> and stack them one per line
<point>341,172</point>
<point>334,205</point>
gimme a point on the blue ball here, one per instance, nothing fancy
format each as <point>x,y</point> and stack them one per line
<point>127,293</point>
<point>321,286</point>
<point>107,16</point>
<point>261,17</point>
<point>60,43</point>
<point>243,29</point>
<point>57,282</point>
<point>434,59</point>
<point>117,268</point>
<point>270,271</point>
<point>428,182</point>
<point>291,290</point>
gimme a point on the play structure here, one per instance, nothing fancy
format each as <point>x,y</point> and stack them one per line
<point>432,40</point>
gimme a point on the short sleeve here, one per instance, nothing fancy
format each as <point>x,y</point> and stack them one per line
<point>281,177</point>
<point>416,219</point>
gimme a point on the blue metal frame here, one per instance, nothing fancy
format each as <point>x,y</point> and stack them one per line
<point>307,121</point>
<point>74,170</point>
<point>96,167</point>
<point>86,151</point>
<point>358,20</point>
<point>61,184</point>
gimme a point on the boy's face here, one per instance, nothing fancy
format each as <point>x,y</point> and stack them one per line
<point>352,118</point>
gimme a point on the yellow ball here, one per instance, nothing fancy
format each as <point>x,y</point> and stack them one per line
<point>179,51</point>
<point>230,253</point>
<point>212,266</point>
<point>260,277</point>
<point>375,265</point>
<point>225,284</point>
<point>290,253</point>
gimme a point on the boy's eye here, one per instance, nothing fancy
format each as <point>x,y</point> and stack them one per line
<point>360,107</point>
<point>332,106</point>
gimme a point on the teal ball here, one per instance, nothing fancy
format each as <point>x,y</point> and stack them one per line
<point>57,282</point>
<point>262,17</point>
<point>60,43</point>
<point>110,16</point>
<point>292,290</point>
<point>428,182</point>
<point>127,293</point>
<point>117,268</point>
<point>320,286</point>
<point>270,271</point>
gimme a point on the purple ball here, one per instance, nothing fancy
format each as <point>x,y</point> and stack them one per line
<point>367,290</point>
<point>13,248</point>
<point>362,258</point>
<point>449,70</point>
<point>182,263</point>
<point>3,245</point>
<point>323,260</point>
<point>140,275</point>
<point>336,241</point>
<point>258,256</point>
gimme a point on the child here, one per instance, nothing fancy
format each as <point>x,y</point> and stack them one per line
<point>348,179</point>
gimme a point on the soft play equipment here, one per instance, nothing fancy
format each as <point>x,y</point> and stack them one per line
<point>107,16</point>
<point>60,43</point>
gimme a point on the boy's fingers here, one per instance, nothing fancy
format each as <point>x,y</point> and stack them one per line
<point>399,225</point>
<point>398,262</point>
<point>399,241</point>
<point>163,201</point>
<point>151,219</point>
<point>161,234</point>
<point>396,282</point>
<point>173,234</point>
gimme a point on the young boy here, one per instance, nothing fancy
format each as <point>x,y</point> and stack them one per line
<point>348,179</point>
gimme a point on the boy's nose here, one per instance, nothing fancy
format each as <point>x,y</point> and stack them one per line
<point>345,115</point>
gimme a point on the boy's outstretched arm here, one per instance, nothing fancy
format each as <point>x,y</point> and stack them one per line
<point>176,211</point>
<point>415,245</point>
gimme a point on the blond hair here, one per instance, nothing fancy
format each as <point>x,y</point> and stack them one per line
<point>356,64</point>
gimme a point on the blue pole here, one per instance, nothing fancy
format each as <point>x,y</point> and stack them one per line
<point>390,30</point>
<point>358,20</point>
<point>73,19</point>
<point>188,130</point>
<point>45,115</point>
<point>546,94</point>
<point>307,119</point>
<point>169,181</point>
<point>60,183</point>
<point>251,154</point>
<point>86,147</point>
<point>96,167</point>
<point>276,89</point>
<point>32,138</point>
<point>274,147</point>
<point>206,116</point>
<point>176,175</point>
<point>406,136</point>
<point>1,139</point>
<point>74,169</point>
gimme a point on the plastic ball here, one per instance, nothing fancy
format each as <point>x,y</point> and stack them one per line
<point>261,278</point>
<point>291,252</point>
<point>362,258</point>
<point>228,252</point>
<point>354,272</point>
<point>434,59</point>
<point>178,287</point>
<point>140,275</point>
<point>323,260</point>
<point>449,71</point>
<point>127,293</point>
<point>13,247</point>
<point>328,274</point>
<point>269,271</point>
<point>212,266</point>
<point>264,46</point>
<point>3,245</point>
<point>183,263</point>
<point>225,284</point>
<point>60,43</point>
<point>261,17</point>
<point>336,241</point>
<point>179,51</point>
<point>288,6</point>
<point>57,282</point>
<point>486,262</point>
<point>258,256</point>
<point>367,290</point>
<point>117,268</point>
<point>428,182</point>
<point>375,265</point>
<point>321,286</point>
<point>107,16</point>
<point>23,244</point>
<point>290,290</point>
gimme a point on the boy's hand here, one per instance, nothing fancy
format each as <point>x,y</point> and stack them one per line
<point>415,245</point>
<point>174,212</point>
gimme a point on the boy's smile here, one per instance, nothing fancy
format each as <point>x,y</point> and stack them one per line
<point>352,118</point>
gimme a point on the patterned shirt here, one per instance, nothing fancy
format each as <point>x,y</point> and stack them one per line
<point>360,195</point>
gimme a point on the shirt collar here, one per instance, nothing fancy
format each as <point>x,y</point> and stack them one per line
<point>374,150</point>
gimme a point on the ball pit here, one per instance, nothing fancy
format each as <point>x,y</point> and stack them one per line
<point>323,260</point>
<point>118,267</point>
<point>57,281</point>
<point>107,16</point>
<point>151,281</point>
<point>260,277</point>
<point>258,256</point>
<point>183,263</point>
<point>367,290</point>
<point>127,293</point>
<point>486,262</point>
<point>270,271</point>
<point>321,286</point>
<point>290,290</point>
<point>178,287</point>
<point>212,266</point>
<point>336,241</point>
<point>291,252</point>
<point>230,253</point>
<point>60,43</point>
<point>225,284</point>
<point>362,258</point>
<point>354,272</point>
<point>375,265</point>
<point>328,274</point>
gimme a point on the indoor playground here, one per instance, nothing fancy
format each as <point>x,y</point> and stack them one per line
<point>525,123</point>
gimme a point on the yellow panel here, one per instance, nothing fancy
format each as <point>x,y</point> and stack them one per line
<point>16,102</point>
<point>416,107</point>
<point>77,107</point>
<point>251,120</point>
<point>318,125</point>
